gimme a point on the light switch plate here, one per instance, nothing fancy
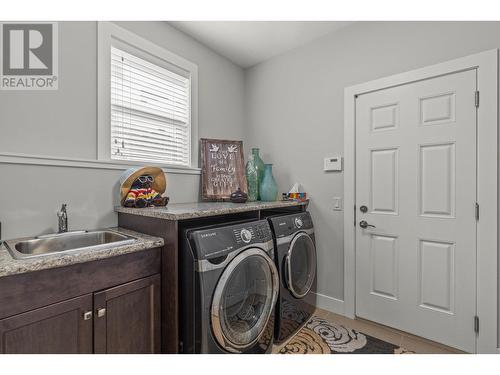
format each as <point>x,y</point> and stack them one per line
<point>337,204</point>
<point>332,163</point>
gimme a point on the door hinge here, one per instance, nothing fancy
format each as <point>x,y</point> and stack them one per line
<point>477,211</point>
<point>476,99</point>
<point>476,324</point>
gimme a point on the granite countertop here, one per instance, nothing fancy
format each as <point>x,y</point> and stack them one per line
<point>10,266</point>
<point>183,211</point>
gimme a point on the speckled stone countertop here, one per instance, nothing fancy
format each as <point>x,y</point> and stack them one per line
<point>184,211</point>
<point>11,266</point>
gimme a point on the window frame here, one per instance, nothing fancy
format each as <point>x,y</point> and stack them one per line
<point>109,34</point>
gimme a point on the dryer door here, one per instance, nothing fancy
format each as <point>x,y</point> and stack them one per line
<point>244,300</point>
<point>300,265</point>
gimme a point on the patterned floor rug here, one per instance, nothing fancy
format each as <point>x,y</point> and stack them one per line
<point>320,336</point>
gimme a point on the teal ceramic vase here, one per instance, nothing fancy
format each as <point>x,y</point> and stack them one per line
<point>259,165</point>
<point>252,179</point>
<point>268,189</point>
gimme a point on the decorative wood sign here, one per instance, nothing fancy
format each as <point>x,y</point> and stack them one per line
<point>222,168</point>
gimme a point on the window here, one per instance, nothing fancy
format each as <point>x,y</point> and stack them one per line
<point>150,111</point>
<point>147,102</point>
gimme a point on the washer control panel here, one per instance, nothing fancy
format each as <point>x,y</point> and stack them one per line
<point>254,232</point>
<point>246,235</point>
<point>219,241</point>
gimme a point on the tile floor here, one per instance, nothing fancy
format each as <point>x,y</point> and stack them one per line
<point>408,341</point>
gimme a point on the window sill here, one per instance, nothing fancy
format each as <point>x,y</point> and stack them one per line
<point>14,158</point>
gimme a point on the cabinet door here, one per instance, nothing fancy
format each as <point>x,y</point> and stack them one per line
<point>127,318</point>
<point>61,328</point>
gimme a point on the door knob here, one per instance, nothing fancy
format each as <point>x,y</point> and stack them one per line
<point>363,224</point>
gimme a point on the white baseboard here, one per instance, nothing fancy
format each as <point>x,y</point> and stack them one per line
<point>331,304</point>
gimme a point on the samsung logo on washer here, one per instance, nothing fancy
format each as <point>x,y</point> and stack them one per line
<point>211,234</point>
<point>29,59</point>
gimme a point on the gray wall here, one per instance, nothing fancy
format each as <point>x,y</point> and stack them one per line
<point>63,123</point>
<point>294,107</point>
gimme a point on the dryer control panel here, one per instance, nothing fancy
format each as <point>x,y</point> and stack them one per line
<point>288,224</point>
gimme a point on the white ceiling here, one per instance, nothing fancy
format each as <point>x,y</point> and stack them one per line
<point>247,43</point>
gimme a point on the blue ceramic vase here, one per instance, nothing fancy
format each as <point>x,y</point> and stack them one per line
<point>268,189</point>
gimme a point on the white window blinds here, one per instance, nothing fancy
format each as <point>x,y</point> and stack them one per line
<point>150,111</point>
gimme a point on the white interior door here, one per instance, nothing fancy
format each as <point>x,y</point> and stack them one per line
<point>416,175</point>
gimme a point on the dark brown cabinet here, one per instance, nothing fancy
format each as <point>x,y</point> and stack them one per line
<point>64,327</point>
<point>109,305</point>
<point>122,319</point>
<point>127,318</point>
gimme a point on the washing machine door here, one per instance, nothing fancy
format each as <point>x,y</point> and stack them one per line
<point>244,300</point>
<point>300,265</point>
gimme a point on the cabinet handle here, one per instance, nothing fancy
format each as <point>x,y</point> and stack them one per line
<point>101,312</point>
<point>87,315</point>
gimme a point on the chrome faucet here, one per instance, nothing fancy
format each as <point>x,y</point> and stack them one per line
<point>63,219</point>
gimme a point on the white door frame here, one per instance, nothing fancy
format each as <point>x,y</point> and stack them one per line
<point>488,174</point>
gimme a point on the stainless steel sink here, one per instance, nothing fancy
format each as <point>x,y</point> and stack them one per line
<point>63,242</point>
